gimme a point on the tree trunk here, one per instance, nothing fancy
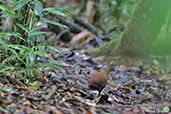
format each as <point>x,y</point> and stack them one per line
<point>140,33</point>
<point>143,28</point>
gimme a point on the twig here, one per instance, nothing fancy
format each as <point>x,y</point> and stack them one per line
<point>88,26</point>
<point>53,90</point>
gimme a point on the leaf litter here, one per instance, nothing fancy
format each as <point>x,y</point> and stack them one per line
<point>129,89</point>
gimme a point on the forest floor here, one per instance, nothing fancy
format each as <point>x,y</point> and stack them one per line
<point>129,90</point>
<point>135,89</point>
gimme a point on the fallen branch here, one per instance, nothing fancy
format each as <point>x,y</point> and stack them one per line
<point>86,25</point>
<point>76,28</point>
<point>72,26</point>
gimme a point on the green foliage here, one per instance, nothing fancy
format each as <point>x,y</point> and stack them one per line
<point>10,13</point>
<point>21,4</point>
<point>110,82</point>
<point>58,95</point>
<point>13,56</point>
<point>35,86</point>
<point>166,110</point>
<point>19,50</point>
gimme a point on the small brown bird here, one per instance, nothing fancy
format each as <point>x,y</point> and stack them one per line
<point>98,80</point>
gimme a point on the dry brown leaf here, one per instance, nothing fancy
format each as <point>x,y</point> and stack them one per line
<point>155,72</point>
<point>89,112</point>
<point>136,110</point>
<point>123,67</point>
<point>114,88</point>
<point>28,103</point>
<point>77,81</point>
<point>1,84</point>
<point>57,111</point>
<point>73,89</point>
<point>27,110</point>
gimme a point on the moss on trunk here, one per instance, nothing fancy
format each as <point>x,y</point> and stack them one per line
<point>140,33</point>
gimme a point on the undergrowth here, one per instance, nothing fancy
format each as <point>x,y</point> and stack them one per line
<point>20,53</point>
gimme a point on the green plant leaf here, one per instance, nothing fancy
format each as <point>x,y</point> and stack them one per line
<point>18,35</point>
<point>3,1</point>
<point>35,28</point>
<point>24,47</point>
<point>41,54</point>
<point>67,11</point>
<point>32,59</point>
<point>36,33</point>
<point>52,22</point>
<point>110,82</point>
<point>38,8</point>
<point>15,53</point>
<point>21,4</point>
<point>22,27</point>
<point>3,15</point>
<point>49,47</point>
<point>22,52</point>
<point>4,61</point>
<point>34,85</point>
<point>42,39</point>
<point>27,65</point>
<point>58,95</point>
<point>5,69</point>
<point>166,110</point>
<point>6,10</point>
<point>31,39</point>
<point>8,21</point>
<point>55,11</point>
<point>25,76</point>
<point>31,21</point>
<point>51,65</point>
<point>12,34</point>
<point>2,41</point>
<point>15,47</point>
